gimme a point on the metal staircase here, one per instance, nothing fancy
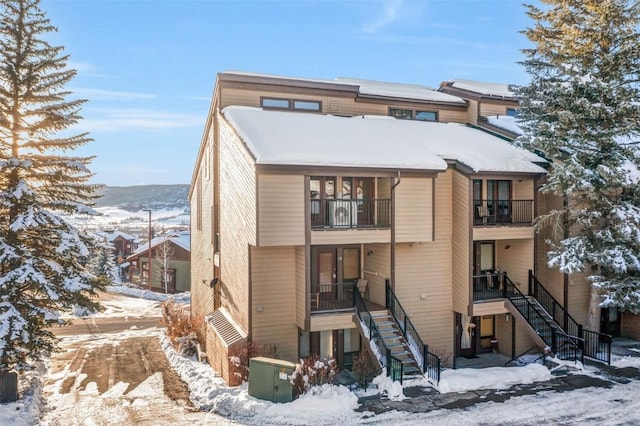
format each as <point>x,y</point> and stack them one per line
<point>398,350</point>
<point>596,346</point>
<point>545,329</point>
<point>398,346</point>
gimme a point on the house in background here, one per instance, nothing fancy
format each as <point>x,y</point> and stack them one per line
<point>305,191</point>
<point>171,257</point>
<point>124,244</point>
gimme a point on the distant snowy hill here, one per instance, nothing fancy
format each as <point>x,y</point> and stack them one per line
<point>122,208</point>
<point>135,198</point>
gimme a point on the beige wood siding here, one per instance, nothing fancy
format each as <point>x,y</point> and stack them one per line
<point>488,109</point>
<point>350,236</point>
<point>332,321</point>
<point>376,270</point>
<point>201,272</point>
<point>461,238</point>
<point>301,287</point>
<point>502,232</point>
<point>503,332</point>
<point>280,210</point>
<point>237,222</point>
<point>273,299</point>
<point>515,257</point>
<point>489,308</point>
<point>472,112</point>
<point>452,116</point>
<point>523,189</point>
<point>423,277</point>
<point>414,210</point>
<point>383,188</point>
<point>330,105</point>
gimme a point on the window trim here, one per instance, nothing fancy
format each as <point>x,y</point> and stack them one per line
<point>291,104</point>
<point>414,113</point>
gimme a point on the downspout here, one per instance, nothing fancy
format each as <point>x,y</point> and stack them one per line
<point>393,231</point>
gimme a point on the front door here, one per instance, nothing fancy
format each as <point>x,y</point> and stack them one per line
<point>327,272</point>
<point>610,321</point>
<point>483,257</point>
<point>499,200</point>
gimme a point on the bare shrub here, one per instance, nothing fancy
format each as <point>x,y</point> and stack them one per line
<point>181,327</point>
<point>239,357</point>
<point>312,371</point>
<point>365,367</point>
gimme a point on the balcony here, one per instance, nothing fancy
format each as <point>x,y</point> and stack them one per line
<point>332,297</point>
<point>350,214</point>
<point>490,285</point>
<point>502,212</point>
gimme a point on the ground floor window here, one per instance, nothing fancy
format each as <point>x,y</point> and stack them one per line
<point>343,345</point>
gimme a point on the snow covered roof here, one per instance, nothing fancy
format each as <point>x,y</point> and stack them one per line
<point>112,235</point>
<point>505,122</point>
<point>400,90</point>
<point>290,138</point>
<point>181,239</point>
<point>484,88</point>
<point>413,92</point>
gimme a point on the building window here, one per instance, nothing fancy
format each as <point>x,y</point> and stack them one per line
<point>512,112</point>
<point>292,104</point>
<point>403,114</point>
<point>307,105</point>
<point>426,116</point>
<point>409,114</point>
<point>275,103</point>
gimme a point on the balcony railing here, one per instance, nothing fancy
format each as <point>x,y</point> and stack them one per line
<point>489,285</point>
<point>502,212</point>
<point>350,214</point>
<point>332,297</point>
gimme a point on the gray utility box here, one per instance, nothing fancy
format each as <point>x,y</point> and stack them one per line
<point>8,386</point>
<point>269,379</point>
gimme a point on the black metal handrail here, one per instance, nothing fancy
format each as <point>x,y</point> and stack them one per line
<point>562,344</point>
<point>429,363</point>
<point>500,212</point>
<point>596,345</point>
<point>488,286</point>
<point>374,334</point>
<point>348,214</point>
<point>332,297</point>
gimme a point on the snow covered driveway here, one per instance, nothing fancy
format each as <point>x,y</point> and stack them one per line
<point>118,378</point>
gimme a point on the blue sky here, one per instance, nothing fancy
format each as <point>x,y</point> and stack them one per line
<point>148,67</point>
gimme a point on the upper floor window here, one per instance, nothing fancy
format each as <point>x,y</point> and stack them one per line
<point>293,104</point>
<point>512,112</point>
<point>410,114</point>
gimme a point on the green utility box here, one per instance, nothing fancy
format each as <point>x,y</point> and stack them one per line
<point>269,379</point>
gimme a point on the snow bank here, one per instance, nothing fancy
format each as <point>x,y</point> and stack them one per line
<point>466,379</point>
<point>183,298</point>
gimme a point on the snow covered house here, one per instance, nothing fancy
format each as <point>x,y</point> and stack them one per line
<point>124,244</point>
<point>493,107</point>
<point>171,267</point>
<point>321,208</point>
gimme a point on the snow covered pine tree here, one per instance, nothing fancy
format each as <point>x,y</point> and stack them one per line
<point>42,256</point>
<point>582,111</point>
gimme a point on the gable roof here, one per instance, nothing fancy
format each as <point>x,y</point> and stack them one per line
<point>181,239</point>
<point>291,138</point>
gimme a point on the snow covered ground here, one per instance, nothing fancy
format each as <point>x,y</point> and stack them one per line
<point>116,218</point>
<point>327,405</point>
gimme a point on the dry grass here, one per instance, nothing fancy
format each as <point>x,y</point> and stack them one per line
<point>181,327</point>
